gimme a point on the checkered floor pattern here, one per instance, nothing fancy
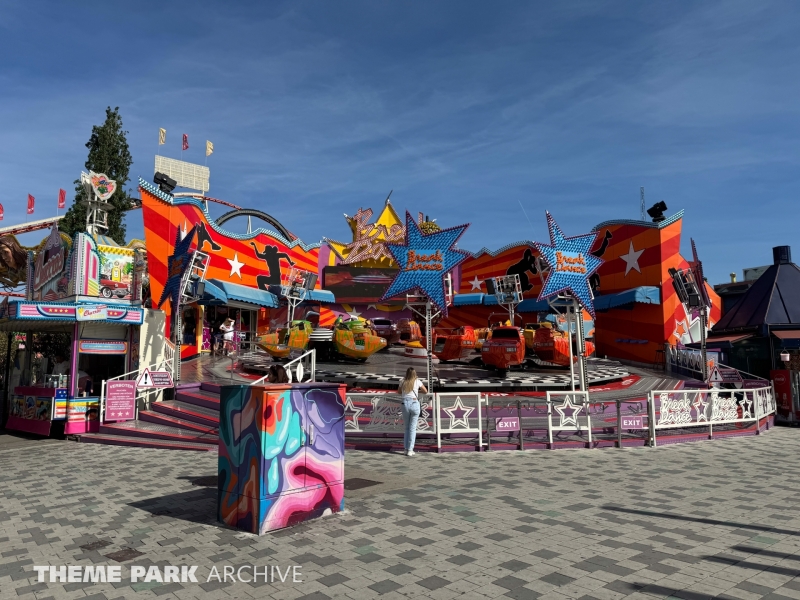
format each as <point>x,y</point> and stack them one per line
<point>522,379</point>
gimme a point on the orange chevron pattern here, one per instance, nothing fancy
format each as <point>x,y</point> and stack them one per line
<point>631,333</point>
<point>162,220</point>
<point>486,266</point>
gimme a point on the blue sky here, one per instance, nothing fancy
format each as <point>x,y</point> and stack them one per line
<point>464,109</point>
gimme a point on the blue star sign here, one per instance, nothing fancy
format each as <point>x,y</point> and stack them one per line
<point>424,261</point>
<point>571,265</point>
<point>176,265</point>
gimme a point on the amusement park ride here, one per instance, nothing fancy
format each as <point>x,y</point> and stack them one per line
<point>348,340</point>
<point>504,346</point>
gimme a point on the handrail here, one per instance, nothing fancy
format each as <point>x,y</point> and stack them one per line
<point>743,372</point>
<point>288,366</point>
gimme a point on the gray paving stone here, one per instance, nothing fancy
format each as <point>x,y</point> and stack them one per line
<point>641,523</point>
<point>433,583</point>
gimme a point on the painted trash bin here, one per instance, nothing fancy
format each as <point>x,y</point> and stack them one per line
<point>281,454</point>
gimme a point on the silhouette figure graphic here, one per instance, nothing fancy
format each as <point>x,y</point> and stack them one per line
<point>272,257</point>
<point>203,236</point>
<point>521,268</point>
<point>594,280</point>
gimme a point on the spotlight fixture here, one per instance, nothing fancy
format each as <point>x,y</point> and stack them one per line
<point>657,211</point>
<point>165,183</point>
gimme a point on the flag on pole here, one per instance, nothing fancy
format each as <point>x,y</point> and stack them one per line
<point>1,212</point>
<point>31,201</point>
<point>185,142</point>
<point>62,198</point>
<point>209,148</point>
<point>162,137</point>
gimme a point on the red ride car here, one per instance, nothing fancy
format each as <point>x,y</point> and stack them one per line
<point>505,349</point>
<point>453,344</point>
<point>409,331</point>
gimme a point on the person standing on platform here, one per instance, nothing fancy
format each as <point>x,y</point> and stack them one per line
<point>227,335</point>
<point>409,389</point>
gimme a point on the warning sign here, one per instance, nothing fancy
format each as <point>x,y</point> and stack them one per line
<point>154,379</point>
<point>724,375</point>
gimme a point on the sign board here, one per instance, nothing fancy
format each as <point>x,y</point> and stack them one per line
<point>507,424</point>
<point>92,312</point>
<point>49,261</point>
<point>154,379</point>
<point>120,400</point>
<point>424,262</point>
<point>632,422</point>
<point>749,384</point>
<point>60,407</point>
<point>724,375</point>
<point>571,265</point>
<point>186,174</point>
<point>102,347</point>
<point>782,380</point>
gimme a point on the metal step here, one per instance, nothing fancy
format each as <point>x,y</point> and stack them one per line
<point>190,412</point>
<point>145,429</point>
<point>161,418</point>
<point>321,335</point>
<point>138,442</point>
<point>199,398</point>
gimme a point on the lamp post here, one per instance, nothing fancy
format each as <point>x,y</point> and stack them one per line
<point>703,324</point>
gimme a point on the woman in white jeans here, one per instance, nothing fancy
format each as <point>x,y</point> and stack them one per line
<point>409,389</point>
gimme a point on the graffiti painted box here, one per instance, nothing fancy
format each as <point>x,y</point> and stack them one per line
<point>281,454</point>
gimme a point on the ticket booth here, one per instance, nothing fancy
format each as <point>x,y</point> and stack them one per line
<point>53,385</point>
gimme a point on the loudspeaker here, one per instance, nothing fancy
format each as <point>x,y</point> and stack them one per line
<point>490,289</point>
<point>311,281</point>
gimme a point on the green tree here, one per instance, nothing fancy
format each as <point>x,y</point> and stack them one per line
<point>108,154</point>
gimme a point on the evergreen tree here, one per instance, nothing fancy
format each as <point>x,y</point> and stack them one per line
<point>108,154</point>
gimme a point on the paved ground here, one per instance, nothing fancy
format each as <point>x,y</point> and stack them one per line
<point>712,519</point>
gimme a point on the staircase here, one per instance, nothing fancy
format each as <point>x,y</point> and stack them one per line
<point>190,422</point>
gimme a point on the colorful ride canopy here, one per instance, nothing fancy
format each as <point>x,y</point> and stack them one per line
<point>256,259</point>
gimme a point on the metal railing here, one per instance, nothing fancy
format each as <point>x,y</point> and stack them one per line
<point>302,369</point>
<point>574,414</point>
<point>440,414</point>
<point>692,409</point>
<point>464,412</point>
<point>564,418</point>
<point>386,413</point>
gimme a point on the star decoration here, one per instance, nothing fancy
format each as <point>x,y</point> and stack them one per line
<point>700,407</point>
<point>680,329</point>
<point>176,266</point>
<point>425,261</point>
<point>183,230</point>
<point>459,408</point>
<point>354,313</point>
<point>571,265</point>
<point>351,414</point>
<point>747,408</point>
<point>632,259</point>
<point>476,284</point>
<point>236,266</point>
<point>371,306</point>
<point>568,413</point>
